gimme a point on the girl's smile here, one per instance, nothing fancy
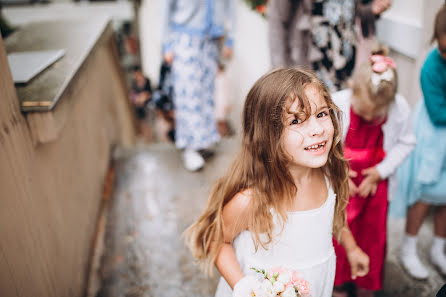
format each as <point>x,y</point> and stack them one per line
<point>316,149</point>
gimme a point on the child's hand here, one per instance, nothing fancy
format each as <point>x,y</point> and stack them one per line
<point>359,262</point>
<point>244,286</point>
<point>379,6</point>
<point>227,52</point>
<point>168,57</point>
<point>351,185</point>
<point>369,183</point>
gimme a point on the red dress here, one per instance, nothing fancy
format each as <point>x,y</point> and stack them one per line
<point>366,217</point>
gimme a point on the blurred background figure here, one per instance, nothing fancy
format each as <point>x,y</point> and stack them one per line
<point>192,30</point>
<point>320,34</point>
<point>223,100</point>
<point>366,29</point>
<point>422,178</point>
<point>378,137</point>
<point>140,95</point>
<point>128,45</point>
<point>163,100</point>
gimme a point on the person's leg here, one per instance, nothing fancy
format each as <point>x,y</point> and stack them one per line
<point>209,133</point>
<point>415,217</point>
<point>440,221</point>
<point>409,258</point>
<point>186,85</point>
<point>437,250</point>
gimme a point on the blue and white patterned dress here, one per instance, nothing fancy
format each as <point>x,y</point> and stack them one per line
<point>191,32</point>
<point>194,69</point>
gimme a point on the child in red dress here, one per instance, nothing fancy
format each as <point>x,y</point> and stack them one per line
<point>378,137</point>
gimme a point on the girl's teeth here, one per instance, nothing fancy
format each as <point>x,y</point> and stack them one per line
<point>315,147</point>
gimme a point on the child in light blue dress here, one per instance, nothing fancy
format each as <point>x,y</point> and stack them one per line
<point>422,178</point>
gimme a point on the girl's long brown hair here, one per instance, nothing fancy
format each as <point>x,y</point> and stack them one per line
<point>262,165</point>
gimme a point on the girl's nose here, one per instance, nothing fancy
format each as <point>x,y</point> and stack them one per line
<point>315,127</point>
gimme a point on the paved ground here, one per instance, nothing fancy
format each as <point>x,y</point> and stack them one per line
<point>155,199</point>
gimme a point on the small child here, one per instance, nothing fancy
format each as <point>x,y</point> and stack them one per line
<point>285,195</point>
<point>377,138</point>
<point>140,96</point>
<point>422,178</point>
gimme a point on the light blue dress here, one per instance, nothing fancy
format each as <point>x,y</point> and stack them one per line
<point>422,177</point>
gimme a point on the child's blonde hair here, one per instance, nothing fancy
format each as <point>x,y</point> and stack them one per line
<point>373,85</point>
<point>262,164</point>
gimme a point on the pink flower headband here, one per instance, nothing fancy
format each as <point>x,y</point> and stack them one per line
<point>381,63</point>
<point>382,70</point>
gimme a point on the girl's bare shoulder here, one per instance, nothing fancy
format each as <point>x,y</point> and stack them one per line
<point>236,214</point>
<point>240,204</point>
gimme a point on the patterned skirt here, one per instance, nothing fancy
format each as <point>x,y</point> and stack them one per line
<point>334,41</point>
<point>194,69</point>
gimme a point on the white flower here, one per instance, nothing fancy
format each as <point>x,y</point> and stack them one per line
<point>278,287</point>
<point>247,286</point>
<point>290,292</point>
<point>284,277</point>
<point>267,286</point>
<point>260,292</point>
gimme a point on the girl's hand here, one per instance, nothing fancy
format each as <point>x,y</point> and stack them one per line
<point>359,262</point>
<point>244,286</point>
<point>227,52</point>
<point>351,185</point>
<point>370,182</point>
<point>379,6</point>
<point>168,57</point>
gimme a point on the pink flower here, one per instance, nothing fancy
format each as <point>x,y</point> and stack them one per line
<point>303,287</point>
<point>381,63</point>
<point>275,270</point>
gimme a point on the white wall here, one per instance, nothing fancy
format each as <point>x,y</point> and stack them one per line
<point>406,28</point>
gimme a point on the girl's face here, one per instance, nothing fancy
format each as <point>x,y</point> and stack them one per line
<point>442,45</point>
<point>308,140</point>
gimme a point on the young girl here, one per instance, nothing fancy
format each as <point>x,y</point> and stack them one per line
<point>286,192</point>
<point>378,137</point>
<point>422,178</point>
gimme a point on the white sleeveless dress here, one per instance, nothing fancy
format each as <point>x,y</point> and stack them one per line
<point>305,245</point>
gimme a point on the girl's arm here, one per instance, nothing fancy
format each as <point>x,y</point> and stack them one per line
<point>432,81</point>
<point>405,141</point>
<point>359,261</point>
<point>235,220</point>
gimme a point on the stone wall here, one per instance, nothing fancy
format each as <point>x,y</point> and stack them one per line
<point>50,191</point>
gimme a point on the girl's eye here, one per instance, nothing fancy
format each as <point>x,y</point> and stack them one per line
<point>296,122</point>
<point>322,114</point>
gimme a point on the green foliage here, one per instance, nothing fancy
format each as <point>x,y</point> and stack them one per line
<point>258,6</point>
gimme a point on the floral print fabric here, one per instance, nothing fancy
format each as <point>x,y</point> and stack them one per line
<point>334,40</point>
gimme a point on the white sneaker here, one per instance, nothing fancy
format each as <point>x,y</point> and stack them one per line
<point>193,161</point>
<point>413,265</point>
<point>439,260</point>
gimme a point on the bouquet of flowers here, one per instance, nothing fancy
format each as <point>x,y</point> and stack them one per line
<point>258,6</point>
<point>271,283</point>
